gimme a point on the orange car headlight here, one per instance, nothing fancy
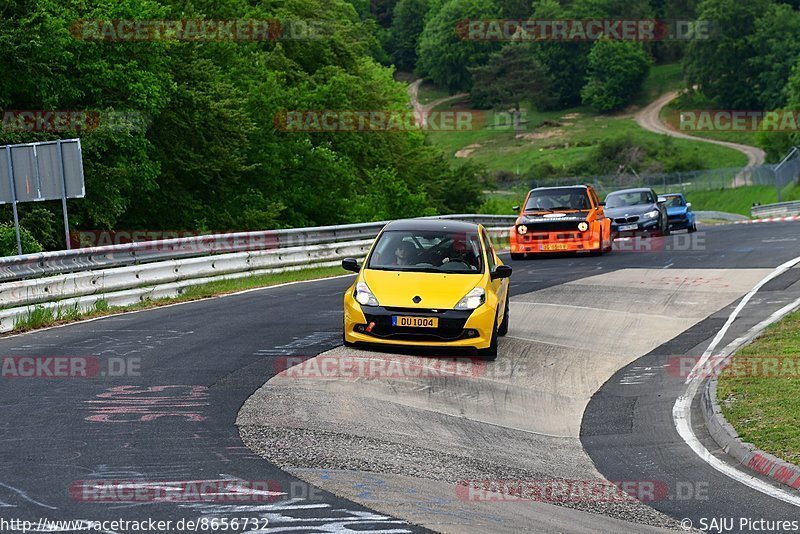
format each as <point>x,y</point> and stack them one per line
<point>583,226</point>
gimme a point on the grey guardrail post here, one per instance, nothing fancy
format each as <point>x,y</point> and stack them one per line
<point>779,209</point>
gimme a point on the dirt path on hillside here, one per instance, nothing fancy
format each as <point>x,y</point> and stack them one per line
<point>649,118</point>
<point>423,110</point>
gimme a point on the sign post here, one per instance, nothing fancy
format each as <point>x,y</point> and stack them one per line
<point>50,170</point>
<point>14,199</point>
<point>63,194</point>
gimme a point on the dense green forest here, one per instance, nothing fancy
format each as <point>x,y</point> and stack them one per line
<point>186,137</point>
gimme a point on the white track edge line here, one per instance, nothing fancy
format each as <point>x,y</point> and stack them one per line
<point>681,411</point>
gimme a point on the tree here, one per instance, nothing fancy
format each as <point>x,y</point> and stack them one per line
<point>206,154</point>
<point>567,64</point>
<point>627,9</point>
<point>389,198</point>
<point>508,78</point>
<point>565,61</point>
<point>407,25</point>
<point>776,48</point>
<point>514,9</point>
<point>778,144</point>
<point>793,86</point>
<point>616,72</point>
<point>720,65</point>
<point>444,55</point>
<point>669,51</point>
<point>382,10</point>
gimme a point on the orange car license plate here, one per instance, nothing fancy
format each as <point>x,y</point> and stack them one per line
<point>554,247</point>
<point>415,322</point>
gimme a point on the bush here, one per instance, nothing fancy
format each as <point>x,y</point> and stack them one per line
<point>502,178</point>
<point>617,70</point>
<point>497,206</point>
<point>8,241</point>
<point>44,226</point>
<point>540,173</point>
<point>611,154</point>
<point>387,197</point>
<point>683,162</point>
<point>776,144</point>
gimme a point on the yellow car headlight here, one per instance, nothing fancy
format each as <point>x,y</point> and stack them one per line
<point>472,300</point>
<point>583,226</point>
<point>364,296</point>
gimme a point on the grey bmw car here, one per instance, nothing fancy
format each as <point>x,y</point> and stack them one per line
<point>636,212</point>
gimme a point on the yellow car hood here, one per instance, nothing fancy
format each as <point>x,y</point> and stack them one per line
<point>438,291</point>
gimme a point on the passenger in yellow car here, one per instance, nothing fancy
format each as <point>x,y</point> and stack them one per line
<point>405,253</point>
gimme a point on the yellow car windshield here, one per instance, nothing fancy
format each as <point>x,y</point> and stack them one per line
<point>426,251</point>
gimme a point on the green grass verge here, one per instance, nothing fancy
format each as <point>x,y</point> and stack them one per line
<point>740,199</point>
<point>41,317</point>
<point>765,410</point>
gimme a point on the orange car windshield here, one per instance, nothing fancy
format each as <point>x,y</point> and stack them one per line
<point>561,199</point>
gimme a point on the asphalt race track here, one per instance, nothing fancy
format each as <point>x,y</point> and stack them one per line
<point>580,392</point>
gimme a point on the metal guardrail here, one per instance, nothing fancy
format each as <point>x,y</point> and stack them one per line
<point>720,216</point>
<point>127,274</point>
<point>779,209</point>
<point>89,259</point>
<point>39,290</point>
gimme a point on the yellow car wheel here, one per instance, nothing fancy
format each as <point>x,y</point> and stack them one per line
<point>503,329</point>
<point>344,337</point>
<point>490,354</point>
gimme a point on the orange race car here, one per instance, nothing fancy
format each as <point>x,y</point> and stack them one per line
<point>561,219</point>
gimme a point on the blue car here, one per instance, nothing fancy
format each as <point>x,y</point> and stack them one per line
<point>679,212</point>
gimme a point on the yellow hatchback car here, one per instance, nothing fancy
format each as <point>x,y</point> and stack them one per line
<point>429,283</point>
